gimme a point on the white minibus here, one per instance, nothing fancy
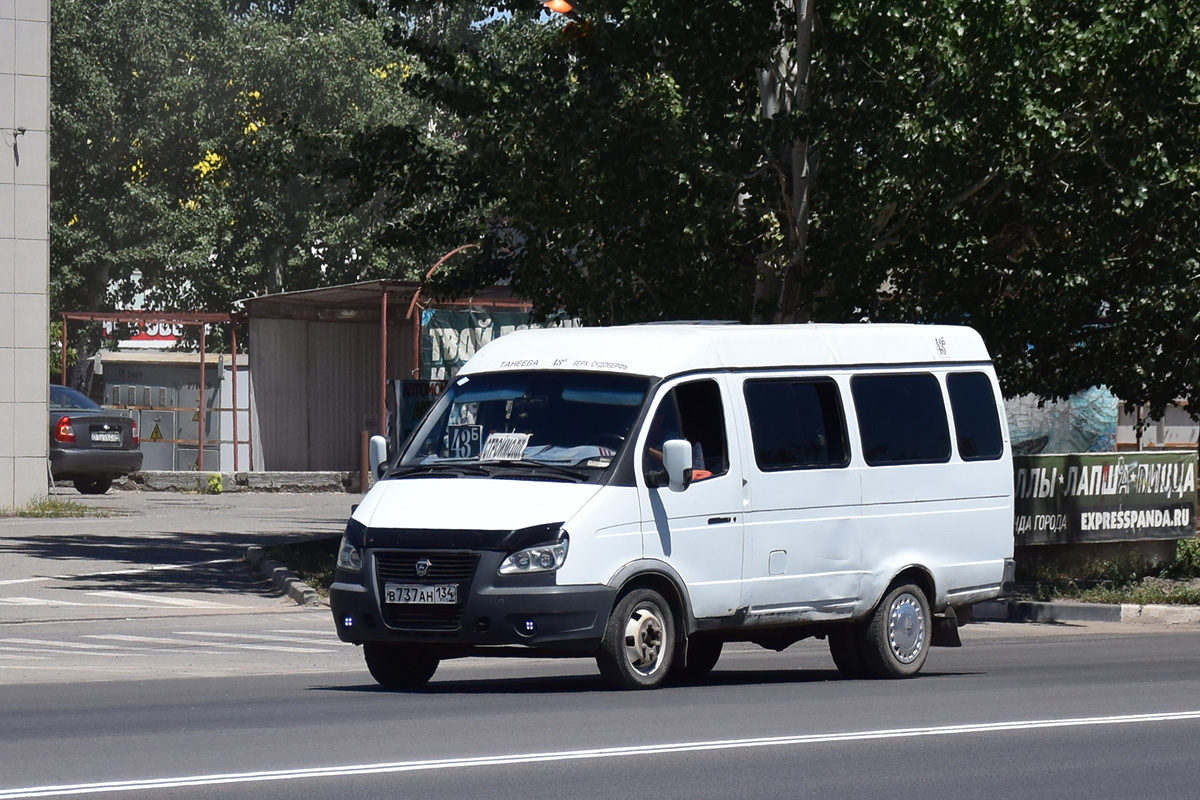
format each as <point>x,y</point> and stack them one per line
<point>644,494</point>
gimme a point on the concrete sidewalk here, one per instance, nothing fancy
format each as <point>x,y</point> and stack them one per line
<point>1066,612</point>
<point>146,552</point>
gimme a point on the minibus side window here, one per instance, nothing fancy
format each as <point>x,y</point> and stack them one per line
<point>691,411</point>
<point>901,419</point>
<point>976,421</point>
<point>796,424</point>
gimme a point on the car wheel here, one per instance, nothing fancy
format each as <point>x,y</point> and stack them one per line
<point>639,641</point>
<point>93,485</point>
<point>399,667</point>
<point>896,640</point>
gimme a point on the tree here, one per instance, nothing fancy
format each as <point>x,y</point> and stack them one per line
<point>1028,169</point>
<point>196,150</point>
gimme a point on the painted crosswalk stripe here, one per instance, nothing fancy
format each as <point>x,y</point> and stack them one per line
<point>120,637</point>
<point>254,636</point>
<point>166,601</point>
<point>53,643</point>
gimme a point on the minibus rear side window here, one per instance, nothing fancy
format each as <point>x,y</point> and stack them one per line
<point>901,419</point>
<point>976,421</point>
<point>796,424</point>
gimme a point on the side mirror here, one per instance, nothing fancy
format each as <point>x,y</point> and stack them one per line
<point>377,455</point>
<point>677,459</point>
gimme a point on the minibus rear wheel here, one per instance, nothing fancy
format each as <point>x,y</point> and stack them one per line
<point>399,667</point>
<point>639,641</point>
<point>896,639</point>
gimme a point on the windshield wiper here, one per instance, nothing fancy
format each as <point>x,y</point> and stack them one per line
<point>444,469</point>
<point>555,470</point>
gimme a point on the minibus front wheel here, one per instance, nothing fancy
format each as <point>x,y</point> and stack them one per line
<point>396,666</point>
<point>639,641</point>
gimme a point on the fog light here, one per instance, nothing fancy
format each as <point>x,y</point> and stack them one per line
<point>348,622</point>
<point>530,627</point>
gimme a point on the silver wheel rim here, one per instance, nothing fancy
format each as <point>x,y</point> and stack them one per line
<point>906,628</point>
<point>644,640</point>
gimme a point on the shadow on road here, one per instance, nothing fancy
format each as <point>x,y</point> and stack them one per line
<point>580,684</point>
<point>168,562</point>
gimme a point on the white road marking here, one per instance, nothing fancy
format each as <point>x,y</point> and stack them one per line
<point>48,642</point>
<point>120,637</point>
<point>42,601</point>
<point>60,653</point>
<point>254,636</point>
<point>166,601</point>
<point>37,601</point>
<point>583,755</point>
<point>134,571</point>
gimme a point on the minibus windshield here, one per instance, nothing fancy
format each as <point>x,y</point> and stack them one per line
<point>529,419</point>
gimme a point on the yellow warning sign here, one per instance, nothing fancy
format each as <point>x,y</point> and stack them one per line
<point>155,434</point>
<point>196,416</point>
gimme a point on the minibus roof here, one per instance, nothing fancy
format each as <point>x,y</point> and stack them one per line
<point>669,349</point>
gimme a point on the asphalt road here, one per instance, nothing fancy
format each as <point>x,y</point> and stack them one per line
<point>116,680</point>
<point>1019,712</point>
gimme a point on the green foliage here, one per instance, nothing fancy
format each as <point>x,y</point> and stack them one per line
<point>1027,168</point>
<point>197,152</point>
<point>54,351</point>
<point>314,561</point>
<point>212,485</point>
<point>53,507</point>
<point>1187,560</point>
<point>1125,578</point>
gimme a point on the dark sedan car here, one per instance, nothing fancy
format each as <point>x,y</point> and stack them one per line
<point>88,445</point>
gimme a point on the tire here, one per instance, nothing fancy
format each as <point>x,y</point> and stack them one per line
<point>399,667</point>
<point>847,654</point>
<point>896,640</point>
<point>93,485</point>
<point>701,656</point>
<point>639,641</point>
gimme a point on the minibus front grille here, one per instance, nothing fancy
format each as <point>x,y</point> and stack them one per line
<point>439,567</point>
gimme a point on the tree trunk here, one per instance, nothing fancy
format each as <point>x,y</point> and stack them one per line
<point>784,87</point>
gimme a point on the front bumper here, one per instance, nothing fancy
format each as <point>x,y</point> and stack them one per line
<point>495,612</point>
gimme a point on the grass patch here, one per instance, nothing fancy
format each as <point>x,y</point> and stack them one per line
<point>312,561</point>
<point>1129,579</point>
<point>46,506</point>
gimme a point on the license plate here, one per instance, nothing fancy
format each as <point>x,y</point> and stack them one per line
<point>442,594</point>
<point>106,437</point>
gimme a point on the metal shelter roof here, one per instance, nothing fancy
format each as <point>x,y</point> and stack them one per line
<point>362,302</point>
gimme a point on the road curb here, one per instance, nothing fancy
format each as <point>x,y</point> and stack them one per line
<point>1029,611</point>
<point>220,482</point>
<point>283,578</point>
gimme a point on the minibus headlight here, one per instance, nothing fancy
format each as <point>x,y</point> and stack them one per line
<point>349,557</point>
<point>540,558</point>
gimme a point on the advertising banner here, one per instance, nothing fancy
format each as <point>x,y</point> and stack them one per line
<point>407,403</point>
<point>1104,497</point>
<point>449,338</point>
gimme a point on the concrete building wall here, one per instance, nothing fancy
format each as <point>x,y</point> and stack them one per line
<point>24,248</point>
